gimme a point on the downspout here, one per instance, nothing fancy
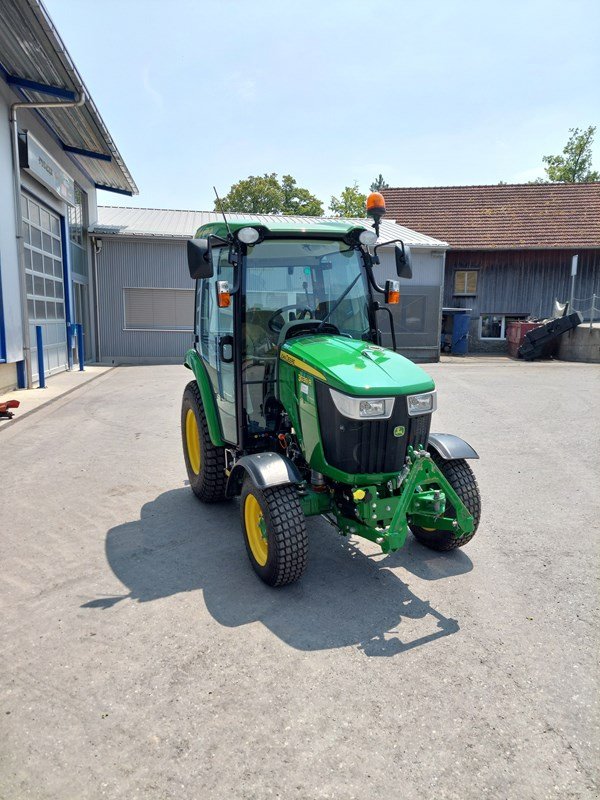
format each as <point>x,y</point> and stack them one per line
<point>19,223</point>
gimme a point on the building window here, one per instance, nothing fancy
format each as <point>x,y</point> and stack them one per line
<point>465,281</point>
<point>494,326</point>
<point>159,309</point>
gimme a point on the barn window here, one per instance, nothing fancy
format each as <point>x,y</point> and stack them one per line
<point>158,309</point>
<point>465,281</point>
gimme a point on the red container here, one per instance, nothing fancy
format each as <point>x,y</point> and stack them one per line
<point>515,333</point>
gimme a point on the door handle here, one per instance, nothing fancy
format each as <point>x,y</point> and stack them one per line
<point>226,349</point>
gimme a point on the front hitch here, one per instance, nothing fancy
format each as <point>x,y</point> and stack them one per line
<point>384,514</point>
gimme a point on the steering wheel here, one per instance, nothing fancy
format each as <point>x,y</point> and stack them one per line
<point>273,326</point>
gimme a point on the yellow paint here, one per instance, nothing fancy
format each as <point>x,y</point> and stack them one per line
<point>359,494</point>
<point>253,516</point>
<point>295,362</point>
<point>192,440</point>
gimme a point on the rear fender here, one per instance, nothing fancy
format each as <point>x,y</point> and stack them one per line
<point>265,470</point>
<point>194,362</point>
<point>450,447</point>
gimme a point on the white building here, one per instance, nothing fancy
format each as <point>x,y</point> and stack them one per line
<point>55,151</point>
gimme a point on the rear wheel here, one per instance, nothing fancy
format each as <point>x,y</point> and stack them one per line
<point>460,476</point>
<point>205,463</point>
<point>275,534</point>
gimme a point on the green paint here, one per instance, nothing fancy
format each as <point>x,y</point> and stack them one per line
<point>284,226</point>
<point>384,516</point>
<point>359,368</point>
<point>194,362</point>
<point>314,503</point>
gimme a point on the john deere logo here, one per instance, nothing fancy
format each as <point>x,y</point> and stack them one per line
<point>399,430</point>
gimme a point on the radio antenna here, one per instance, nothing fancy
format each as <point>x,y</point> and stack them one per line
<point>222,212</point>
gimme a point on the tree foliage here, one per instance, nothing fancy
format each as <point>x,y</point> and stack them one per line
<point>379,184</point>
<point>351,203</point>
<point>265,194</point>
<point>575,163</point>
<point>299,201</point>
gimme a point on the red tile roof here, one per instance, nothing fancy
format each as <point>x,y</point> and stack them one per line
<point>502,217</point>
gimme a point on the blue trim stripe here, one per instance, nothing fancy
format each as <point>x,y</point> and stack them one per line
<point>44,88</point>
<point>66,250</point>
<point>2,324</point>
<point>113,189</point>
<point>79,151</point>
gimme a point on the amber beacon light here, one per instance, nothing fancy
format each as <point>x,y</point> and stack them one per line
<point>376,208</point>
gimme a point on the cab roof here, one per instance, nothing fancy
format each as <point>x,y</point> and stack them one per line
<point>285,227</point>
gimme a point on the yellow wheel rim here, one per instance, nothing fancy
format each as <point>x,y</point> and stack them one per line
<point>256,530</point>
<point>192,440</point>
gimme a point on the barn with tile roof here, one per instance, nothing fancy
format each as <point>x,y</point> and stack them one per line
<point>511,248</point>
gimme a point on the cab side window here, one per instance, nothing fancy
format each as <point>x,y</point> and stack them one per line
<point>214,322</point>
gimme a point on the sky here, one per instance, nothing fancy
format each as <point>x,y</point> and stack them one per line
<point>426,92</point>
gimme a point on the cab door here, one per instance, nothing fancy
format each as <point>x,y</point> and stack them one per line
<point>214,326</point>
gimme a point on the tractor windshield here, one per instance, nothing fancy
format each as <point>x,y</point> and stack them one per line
<point>289,280</point>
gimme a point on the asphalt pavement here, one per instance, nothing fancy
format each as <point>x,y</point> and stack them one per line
<point>140,657</point>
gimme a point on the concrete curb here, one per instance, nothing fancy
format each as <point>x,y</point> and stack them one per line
<point>7,423</point>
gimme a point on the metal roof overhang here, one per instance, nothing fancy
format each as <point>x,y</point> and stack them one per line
<point>35,63</point>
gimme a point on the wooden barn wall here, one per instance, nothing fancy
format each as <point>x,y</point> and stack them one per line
<point>521,282</point>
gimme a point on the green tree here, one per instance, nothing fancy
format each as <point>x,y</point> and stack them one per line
<point>299,201</point>
<point>264,194</point>
<point>379,184</point>
<point>351,203</point>
<point>256,194</point>
<point>575,163</point>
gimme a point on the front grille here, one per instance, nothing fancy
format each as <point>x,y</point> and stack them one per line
<point>368,446</point>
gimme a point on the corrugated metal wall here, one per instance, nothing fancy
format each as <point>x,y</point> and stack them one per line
<point>422,297</point>
<point>520,282</point>
<point>142,263</point>
<point>135,262</point>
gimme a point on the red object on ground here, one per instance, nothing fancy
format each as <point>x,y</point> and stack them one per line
<point>515,333</point>
<point>4,412</point>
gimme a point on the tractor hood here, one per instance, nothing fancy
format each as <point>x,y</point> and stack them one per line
<point>356,367</point>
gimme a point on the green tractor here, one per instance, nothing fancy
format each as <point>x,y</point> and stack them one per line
<point>297,408</point>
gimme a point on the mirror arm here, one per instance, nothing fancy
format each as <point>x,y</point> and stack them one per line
<point>378,307</point>
<point>372,280</point>
<point>384,244</point>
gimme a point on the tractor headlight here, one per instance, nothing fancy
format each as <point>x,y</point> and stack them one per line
<point>421,403</point>
<point>367,237</point>
<point>248,235</point>
<point>362,407</point>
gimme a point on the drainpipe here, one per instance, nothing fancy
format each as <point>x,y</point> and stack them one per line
<point>19,223</point>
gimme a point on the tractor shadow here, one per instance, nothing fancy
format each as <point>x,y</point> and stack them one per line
<point>345,598</point>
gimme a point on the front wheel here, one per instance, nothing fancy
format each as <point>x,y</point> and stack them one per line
<point>460,476</point>
<point>275,534</point>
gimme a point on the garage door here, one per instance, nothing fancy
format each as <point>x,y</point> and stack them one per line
<point>45,285</point>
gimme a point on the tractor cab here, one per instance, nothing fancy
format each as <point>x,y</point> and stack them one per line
<point>259,287</point>
<point>297,407</point>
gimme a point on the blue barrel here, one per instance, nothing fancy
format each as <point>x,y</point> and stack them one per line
<point>460,334</point>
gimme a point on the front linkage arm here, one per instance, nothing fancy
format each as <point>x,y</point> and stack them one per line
<point>415,504</point>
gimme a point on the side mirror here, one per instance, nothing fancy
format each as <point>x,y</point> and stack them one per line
<point>403,265</point>
<point>199,261</point>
